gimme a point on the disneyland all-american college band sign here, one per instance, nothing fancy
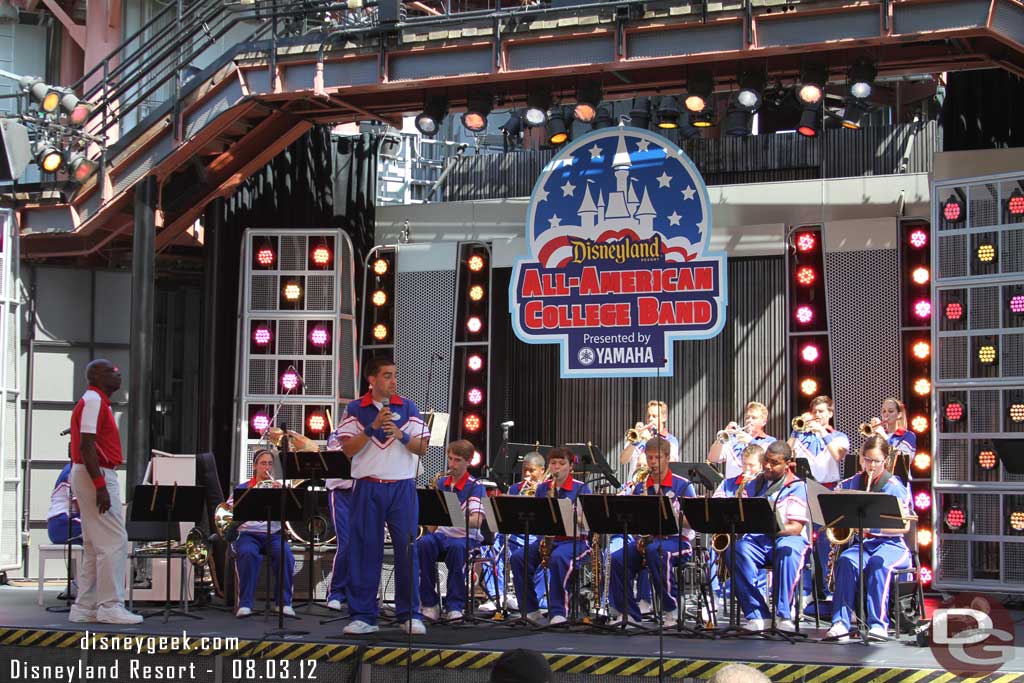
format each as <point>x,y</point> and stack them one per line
<point>618,228</point>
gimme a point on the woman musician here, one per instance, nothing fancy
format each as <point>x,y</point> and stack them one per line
<point>892,426</point>
<point>254,541</point>
<point>885,551</point>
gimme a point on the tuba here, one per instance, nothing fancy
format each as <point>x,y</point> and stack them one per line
<point>195,547</point>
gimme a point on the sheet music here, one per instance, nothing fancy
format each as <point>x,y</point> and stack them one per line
<point>437,423</point>
<point>451,501</point>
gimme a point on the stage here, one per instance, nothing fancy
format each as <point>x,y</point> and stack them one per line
<point>34,637</point>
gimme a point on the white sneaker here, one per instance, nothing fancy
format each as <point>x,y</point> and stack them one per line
<point>669,619</point>
<point>754,625</point>
<point>432,612</point>
<point>556,620</point>
<point>81,615</point>
<point>288,611</point>
<point>117,615</point>
<point>512,603</point>
<point>838,631</point>
<point>414,627</point>
<point>488,607</point>
<point>334,605</point>
<point>785,625</point>
<point>243,612</point>
<point>453,615</point>
<point>537,618</point>
<point>358,628</point>
<point>645,607</point>
<point>878,631</point>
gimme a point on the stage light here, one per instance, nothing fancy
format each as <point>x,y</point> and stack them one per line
<point>987,354</point>
<point>854,111</point>
<point>559,126</point>
<point>379,297</point>
<point>923,500</point>
<point>922,387</point>
<point>640,114</point>
<point>809,387</point>
<point>380,267</point>
<point>475,362</point>
<point>918,239</point>
<point>260,422</point>
<point>513,126</point>
<point>954,411</point>
<point>810,353</point>
<point>78,112</point>
<point>952,210</point>
<point>1017,520</point>
<point>319,336</point>
<point>922,308</point>
<point>289,380</point>
<point>986,253</point>
<point>316,422</point>
<point>1017,412</point>
<point>478,106</point>
<point>476,460</point>
<point>924,537</point>
<point>954,311</point>
<point>475,263</point>
<point>987,459</point>
<point>738,121</point>
<point>804,315</point>
<point>80,167</point>
<point>262,336</point>
<point>292,291</point>
<point>922,461</point>
<point>751,84</point>
<point>48,156</point>
<point>926,575</point>
<point>813,78</point>
<point>265,257</point>
<point>321,256</point>
<point>428,122</point>
<point>475,396</point>
<point>474,324</point>
<point>698,90</point>
<point>538,101</point>
<point>810,121</point>
<point>1015,204</point>
<point>920,275</point>
<point>806,241</point>
<point>922,350</point>
<point>704,119</point>
<point>955,518</point>
<point>806,276</point>
<point>1017,303</point>
<point>476,293</point>
<point>668,113</point>
<point>861,76</point>
<point>919,424</point>
<point>380,331</point>
<point>604,118</point>
<point>471,422</point>
<point>588,97</point>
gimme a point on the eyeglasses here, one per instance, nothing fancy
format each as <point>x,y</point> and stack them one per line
<point>872,461</point>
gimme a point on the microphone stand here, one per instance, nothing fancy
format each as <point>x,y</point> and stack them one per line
<point>67,546</point>
<point>281,630</point>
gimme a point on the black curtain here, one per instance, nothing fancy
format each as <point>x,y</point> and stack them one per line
<point>983,110</point>
<point>319,181</point>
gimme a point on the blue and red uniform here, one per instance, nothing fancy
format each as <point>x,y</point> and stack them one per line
<point>253,542</point>
<point>494,582</point>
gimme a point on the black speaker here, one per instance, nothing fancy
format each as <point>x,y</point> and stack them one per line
<point>389,11</point>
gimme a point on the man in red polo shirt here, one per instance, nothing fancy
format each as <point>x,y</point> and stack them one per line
<point>95,453</point>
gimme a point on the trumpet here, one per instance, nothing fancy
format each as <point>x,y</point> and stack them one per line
<point>640,432</point>
<point>731,430</point>
<point>802,423</point>
<point>868,428</point>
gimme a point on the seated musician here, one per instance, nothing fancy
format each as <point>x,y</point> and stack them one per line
<point>561,561</point>
<point>494,581</point>
<point>884,549</point>
<point>785,554</point>
<point>451,541</point>
<point>660,554</point>
<point>734,439</point>
<point>253,541</point>
<point>733,487</point>
<point>64,521</point>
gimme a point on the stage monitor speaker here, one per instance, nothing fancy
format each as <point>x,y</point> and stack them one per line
<point>17,151</point>
<point>389,11</point>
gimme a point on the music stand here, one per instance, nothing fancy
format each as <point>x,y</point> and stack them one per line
<point>589,458</point>
<point>170,504</point>
<point>315,467</point>
<point>625,515</point>
<point>699,473</point>
<point>526,516</point>
<point>861,510</point>
<point>734,516</point>
<point>271,505</point>
<point>507,465</point>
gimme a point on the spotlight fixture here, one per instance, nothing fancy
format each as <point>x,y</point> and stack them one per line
<point>478,106</point>
<point>922,461</point>
<point>475,362</point>
<point>954,411</point>
<point>559,126</point>
<point>379,298</point>
<point>987,456</point>
<point>475,263</point>
<point>918,239</point>
<point>955,518</point>
<point>806,241</point>
<point>537,104</point>
<point>475,396</point>
<point>954,310</point>
<point>48,156</point>
<point>919,423</point>
<point>1015,204</point>
<point>380,331</point>
<point>380,266</point>
<point>704,119</point>
<point>321,256</point>
<point>262,336</point>
<point>924,537</point>
<point>319,336</point>
<point>77,111</point>
<point>739,121</point>
<point>809,387</point>
<point>686,129</point>
<point>811,88</point>
<point>986,252</point>
<point>810,120</point>
<point>668,112</point>
<point>920,275</point>
<point>316,422</point>
<point>640,114</point>
<point>861,78</point>
<point>265,257</point>
<point>292,291</point>
<point>987,354</point>
<point>923,308</point>
<point>751,90</point>
<point>698,90</point>
<point>472,422</point>
<point>1017,520</point>
<point>604,117</point>
<point>80,168</point>
<point>854,111</point>
<point>428,122</point>
<point>476,293</point>
<point>47,98</point>
<point>806,276</point>
<point>810,353</point>
<point>922,350</point>
<point>588,97</point>
<point>922,387</point>
<point>289,380</point>
<point>804,315</point>
<point>953,210</point>
<point>514,126</point>
<point>922,500</point>
<point>1016,303</point>
<point>260,422</point>
<point>474,325</point>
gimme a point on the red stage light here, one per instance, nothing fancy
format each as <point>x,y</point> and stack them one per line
<point>956,518</point>
<point>952,210</point>
<point>316,422</point>
<point>265,257</point>
<point>319,336</point>
<point>475,263</point>
<point>954,311</point>
<point>918,238</point>
<point>922,461</point>
<point>806,276</point>
<point>954,411</point>
<point>804,315</point>
<point>475,362</point>
<point>477,459</point>
<point>1015,204</point>
<point>922,350</point>
<point>922,308</point>
<point>919,424</point>
<point>806,241</point>
<point>471,422</point>
<point>926,575</point>
<point>920,275</point>
<point>923,500</point>
<point>474,325</point>
<point>321,256</point>
<point>1017,303</point>
<point>289,380</point>
<point>475,396</point>
<point>260,422</point>
<point>261,336</point>
<point>810,353</point>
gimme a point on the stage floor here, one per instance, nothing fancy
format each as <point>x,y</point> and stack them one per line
<point>23,623</point>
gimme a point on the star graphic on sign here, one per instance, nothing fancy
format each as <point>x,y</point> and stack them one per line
<point>595,152</point>
<point>642,145</point>
<point>542,195</point>
<point>554,222</point>
<point>689,192</point>
<point>674,218</point>
<point>664,179</point>
<point>568,189</point>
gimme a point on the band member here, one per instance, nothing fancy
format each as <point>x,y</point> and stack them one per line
<point>64,521</point>
<point>561,561</point>
<point>341,505</point>
<point>451,541</point>
<point>660,554</point>
<point>256,539</point>
<point>95,453</point>
<point>656,425</point>
<point>384,435</point>
<point>733,440</point>
<point>885,551</point>
<point>494,582</point>
<point>785,553</point>
<point>893,428</point>
<point>752,457</point>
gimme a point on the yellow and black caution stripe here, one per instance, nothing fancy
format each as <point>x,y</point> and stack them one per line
<point>592,665</point>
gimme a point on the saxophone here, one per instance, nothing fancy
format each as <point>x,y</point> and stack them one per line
<point>641,542</point>
<point>597,572</point>
<point>839,538</point>
<point>719,542</point>
<point>547,543</point>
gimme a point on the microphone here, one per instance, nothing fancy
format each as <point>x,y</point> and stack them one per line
<point>66,432</point>
<point>508,424</point>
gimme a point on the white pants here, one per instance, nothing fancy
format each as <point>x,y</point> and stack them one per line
<point>101,576</point>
